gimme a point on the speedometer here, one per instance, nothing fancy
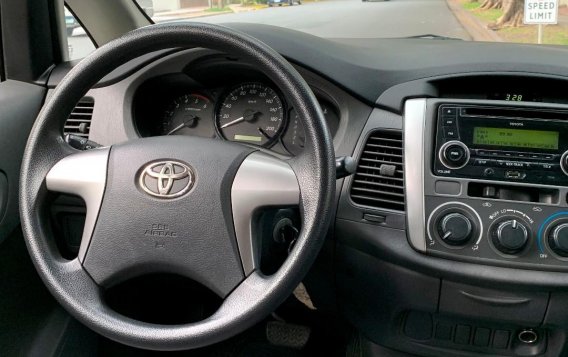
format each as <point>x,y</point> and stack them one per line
<point>251,113</point>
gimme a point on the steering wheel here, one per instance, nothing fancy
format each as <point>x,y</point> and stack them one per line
<point>180,205</point>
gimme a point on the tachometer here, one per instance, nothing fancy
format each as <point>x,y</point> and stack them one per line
<point>189,114</point>
<point>251,113</point>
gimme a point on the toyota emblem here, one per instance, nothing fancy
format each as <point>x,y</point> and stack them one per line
<point>167,179</point>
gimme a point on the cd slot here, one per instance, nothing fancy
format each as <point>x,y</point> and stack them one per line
<point>513,113</point>
<point>513,193</point>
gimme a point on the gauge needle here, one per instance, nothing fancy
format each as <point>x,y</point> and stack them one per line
<point>182,125</point>
<point>236,121</point>
<point>248,117</point>
<point>264,133</point>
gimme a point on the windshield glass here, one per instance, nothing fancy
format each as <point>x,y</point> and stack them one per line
<point>523,21</point>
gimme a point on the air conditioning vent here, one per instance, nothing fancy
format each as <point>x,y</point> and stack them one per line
<point>379,179</point>
<point>79,122</point>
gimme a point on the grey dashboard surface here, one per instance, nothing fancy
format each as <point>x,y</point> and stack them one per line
<point>368,67</point>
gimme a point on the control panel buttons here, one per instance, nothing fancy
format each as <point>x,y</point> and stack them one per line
<point>546,166</point>
<point>558,239</point>
<point>510,236</point>
<point>451,121</point>
<point>450,112</point>
<point>455,229</point>
<point>484,162</point>
<point>454,154</point>
<point>450,133</point>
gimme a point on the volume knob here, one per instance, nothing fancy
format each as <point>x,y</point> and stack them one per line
<point>454,154</point>
<point>564,163</point>
<point>455,229</point>
<point>510,236</point>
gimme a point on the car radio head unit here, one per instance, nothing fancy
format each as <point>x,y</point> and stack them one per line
<point>506,144</point>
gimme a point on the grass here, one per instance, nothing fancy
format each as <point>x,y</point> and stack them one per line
<point>552,34</point>
<point>485,15</point>
<point>219,9</point>
<point>259,6</point>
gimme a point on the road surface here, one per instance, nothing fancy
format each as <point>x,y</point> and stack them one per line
<point>342,19</point>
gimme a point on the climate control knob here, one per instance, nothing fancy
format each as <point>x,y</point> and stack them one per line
<point>510,236</point>
<point>455,229</point>
<point>558,239</point>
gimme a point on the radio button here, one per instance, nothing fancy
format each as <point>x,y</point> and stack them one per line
<point>448,121</point>
<point>450,133</point>
<point>483,162</point>
<point>455,154</point>
<point>450,112</point>
<point>546,166</point>
<point>513,164</point>
<point>548,156</point>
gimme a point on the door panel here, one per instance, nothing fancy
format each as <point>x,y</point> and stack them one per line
<point>20,104</point>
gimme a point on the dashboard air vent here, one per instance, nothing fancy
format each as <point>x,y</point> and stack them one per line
<point>79,122</point>
<point>379,180</point>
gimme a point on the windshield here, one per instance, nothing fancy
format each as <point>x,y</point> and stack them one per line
<point>519,21</point>
<point>523,21</point>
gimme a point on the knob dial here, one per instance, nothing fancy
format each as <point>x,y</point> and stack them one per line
<point>558,239</point>
<point>511,236</point>
<point>564,163</point>
<point>454,154</point>
<point>455,228</point>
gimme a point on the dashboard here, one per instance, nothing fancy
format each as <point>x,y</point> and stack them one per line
<point>455,219</point>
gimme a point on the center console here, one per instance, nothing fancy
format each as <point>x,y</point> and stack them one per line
<point>488,182</point>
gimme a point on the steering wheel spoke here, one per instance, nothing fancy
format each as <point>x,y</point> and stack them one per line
<point>261,181</point>
<point>83,174</point>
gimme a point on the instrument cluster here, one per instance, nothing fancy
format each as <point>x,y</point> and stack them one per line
<point>251,111</point>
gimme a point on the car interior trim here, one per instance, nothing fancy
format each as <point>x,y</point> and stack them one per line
<point>262,180</point>
<point>414,118</point>
<point>82,174</point>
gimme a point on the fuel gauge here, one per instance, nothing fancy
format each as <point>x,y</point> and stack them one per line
<point>294,138</point>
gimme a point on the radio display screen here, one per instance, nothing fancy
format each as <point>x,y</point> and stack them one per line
<point>517,138</point>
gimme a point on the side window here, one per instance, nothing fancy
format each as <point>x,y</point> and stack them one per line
<point>79,44</point>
